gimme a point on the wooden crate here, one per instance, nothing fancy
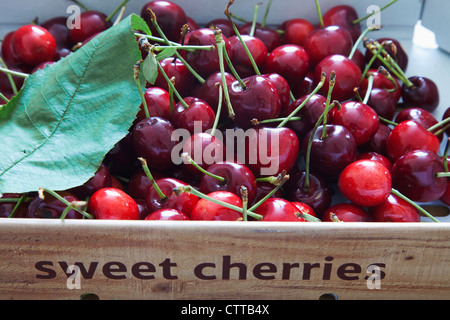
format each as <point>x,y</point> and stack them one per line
<point>223,260</point>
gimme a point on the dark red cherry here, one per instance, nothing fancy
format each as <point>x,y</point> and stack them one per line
<point>409,135</point>
<point>330,155</point>
<point>239,57</point>
<point>113,204</point>
<point>375,156</point>
<point>158,104</point>
<point>346,212</point>
<point>290,61</point>
<point>348,76</point>
<point>101,179</point>
<point>306,86</point>
<point>57,26</point>
<point>278,209</point>
<point>33,44</point>
<point>121,159</point>
<point>296,30</point>
<point>394,209</point>
<point>378,141</point>
<point>139,184</point>
<point>414,175</point>
<point>327,41</point>
<point>381,81</point>
<point>7,51</point>
<point>421,116</point>
<point>259,99</point>
<point>343,16</point>
<point>197,117</point>
<point>423,93</point>
<point>383,103</point>
<point>263,188</point>
<point>445,115</point>
<point>223,24</point>
<point>184,202</point>
<point>366,183</point>
<point>51,207</point>
<point>235,175</point>
<point>208,210</point>
<point>360,119</point>
<point>175,68</point>
<point>282,87</point>
<point>268,35</point>
<point>167,214</point>
<point>359,60</point>
<point>170,17</point>
<point>6,208</point>
<point>152,139</point>
<point>395,50</point>
<point>91,22</point>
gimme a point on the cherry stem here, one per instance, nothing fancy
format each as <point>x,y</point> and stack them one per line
<point>120,16</point>
<point>319,85</point>
<point>319,14</point>
<point>369,89</point>
<point>444,157</point>
<point>14,73</point>
<point>356,21</point>
<point>415,205</point>
<point>386,73</point>
<point>220,50</point>
<point>282,178</point>
<point>81,5</point>
<point>122,5</point>
<point>190,189</point>
<point>137,68</point>
<point>219,109</point>
<point>256,122</point>
<point>359,40</point>
<point>185,47</point>
<point>439,124</point>
<point>334,218</point>
<point>171,100</point>
<point>233,70</point>
<point>275,180</point>
<point>442,174</point>
<point>266,13</point>
<point>255,17</point>
<point>171,85</point>
<point>75,205</point>
<point>308,217</point>
<point>186,156</point>
<point>4,98</point>
<point>16,207</point>
<point>244,196</point>
<point>239,18</point>
<point>149,175</point>
<point>332,82</point>
<point>387,121</point>
<point>374,57</point>
<point>10,78</point>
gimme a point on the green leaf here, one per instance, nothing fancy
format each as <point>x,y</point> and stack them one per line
<point>56,131</point>
<point>139,24</point>
<point>150,68</point>
<point>166,53</point>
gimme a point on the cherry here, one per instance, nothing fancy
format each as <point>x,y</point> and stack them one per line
<point>378,141</point>
<point>170,16</point>
<point>372,155</point>
<point>143,211</point>
<point>121,159</point>
<point>343,16</point>
<point>348,76</point>
<point>268,35</point>
<point>57,26</point>
<point>259,99</point>
<point>33,44</point>
<point>278,209</point>
<point>306,86</point>
<point>240,58</point>
<point>263,188</point>
<point>6,208</point>
<point>365,183</point>
<point>358,59</point>
<point>346,212</point>
<point>222,24</point>
<point>394,209</point>
<point>9,56</point>
<point>205,62</point>
<point>91,23</point>
<point>175,68</point>
<point>383,103</point>
<point>296,31</point>
<point>290,61</point>
<point>394,48</point>
<point>51,207</point>
<point>158,104</point>
<point>139,183</point>
<point>198,115</point>
<point>205,209</point>
<point>282,87</point>
<point>423,93</point>
<point>152,140</point>
<point>409,135</point>
<point>382,80</point>
<point>360,119</point>
<point>304,209</point>
<point>115,204</point>
<point>100,180</point>
<point>446,115</point>
<point>419,115</point>
<point>234,176</point>
<point>327,41</point>
<point>415,175</point>
<point>167,214</point>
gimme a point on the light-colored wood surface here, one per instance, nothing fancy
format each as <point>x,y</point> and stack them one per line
<point>414,257</point>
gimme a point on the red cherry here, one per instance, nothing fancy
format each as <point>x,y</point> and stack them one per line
<point>111,203</point>
<point>239,56</point>
<point>372,155</point>
<point>92,22</point>
<point>268,35</point>
<point>296,30</point>
<point>343,16</point>
<point>175,68</point>
<point>197,116</point>
<point>57,26</point>
<point>158,104</point>
<point>139,184</point>
<point>304,209</point>
<point>424,93</point>
<point>208,210</point>
<point>167,214</point>
<point>33,44</point>
<point>263,189</point>
<point>278,209</point>
<point>365,183</point>
<point>346,212</point>
<point>383,103</point>
<point>421,116</point>
<point>7,51</point>
<point>223,24</point>
<point>378,141</point>
<point>394,209</point>
<point>282,87</point>
<point>100,180</point>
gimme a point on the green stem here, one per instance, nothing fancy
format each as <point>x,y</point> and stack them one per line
<point>282,178</point>
<point>356,21</point>
<point>266,14</point>
<point>195,164</point>
<point>67,203</point>
<point>230,65</point>
<point>319,14</point>
<point>439,124</point>
<point>123,4</point>
<point>149,175</point>
<point>81,5</point>
<point>443,174</point>
<point>358,41</point>
<point>332,82</point>
<point>141,92</point>
<point>296,110</point>
<point>255,17</point>
<point>244,196</point>
<point>371,61</point>
<point>369,89</point>
<point>4,98</point>
<point>388,121</point>
<point>166,77</point>
<point>16,207</point>
<point>239,18</point>
<point>220,50</point>
<point>185,47</point>
<point>256,122</point>
<point>10,78</point>
<point>415,205</point>
<point>445,156</point>
<point>14,73</point>
<point>219,110</point>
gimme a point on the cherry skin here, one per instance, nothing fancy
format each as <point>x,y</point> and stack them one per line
<point>278,209</point>
<point>282,87</point>
<point>167,214</point>
<point>7,51</point>
<point>303,208</point>
<point>365,183</point>
<point>327,41</point>
<point>114,204</point>
<point>101,179</point>
<point>445,115</point>
<point>51,207</point>
<point>383,103</point>
<point>223,24</point>
<point>290,61</point>
<point>121,159</point>
<point>6,208</point>
<point>343,16</point>
<point>33,44</point>
<point>197,117</point>
<point>158,104</point>
<point>207,210</point>
<point>414,175</point>
<point>394,209</point>
<point>378,141</point>
<point>139,184</point>
<point>421,116</point>
<point>409,135</point>
<point>152,140</point>
<point>296,31</point>
<point>330,155</point>
<point>239,57</point>
<point>347,212</point>
<point>236,175</point>
<point>175,68</point>
<point>372,155</point>
<point>170,17</point>
<point>306,86</point>
<point>360,119</point>
<point>424,93</point>
<point>263,188</point>
<point>184,202</point>
<point>57,26</point>
<point>348,76</point>
<point>260,100</point>
<point>91,22</point>
<point>268,35</point>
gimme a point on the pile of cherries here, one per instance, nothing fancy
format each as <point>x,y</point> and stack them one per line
<point>347,120</point>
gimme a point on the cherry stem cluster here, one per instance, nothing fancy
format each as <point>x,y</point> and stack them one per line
<point>75,205</point>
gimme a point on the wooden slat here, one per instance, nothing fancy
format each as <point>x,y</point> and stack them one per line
<point>415,256</point>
